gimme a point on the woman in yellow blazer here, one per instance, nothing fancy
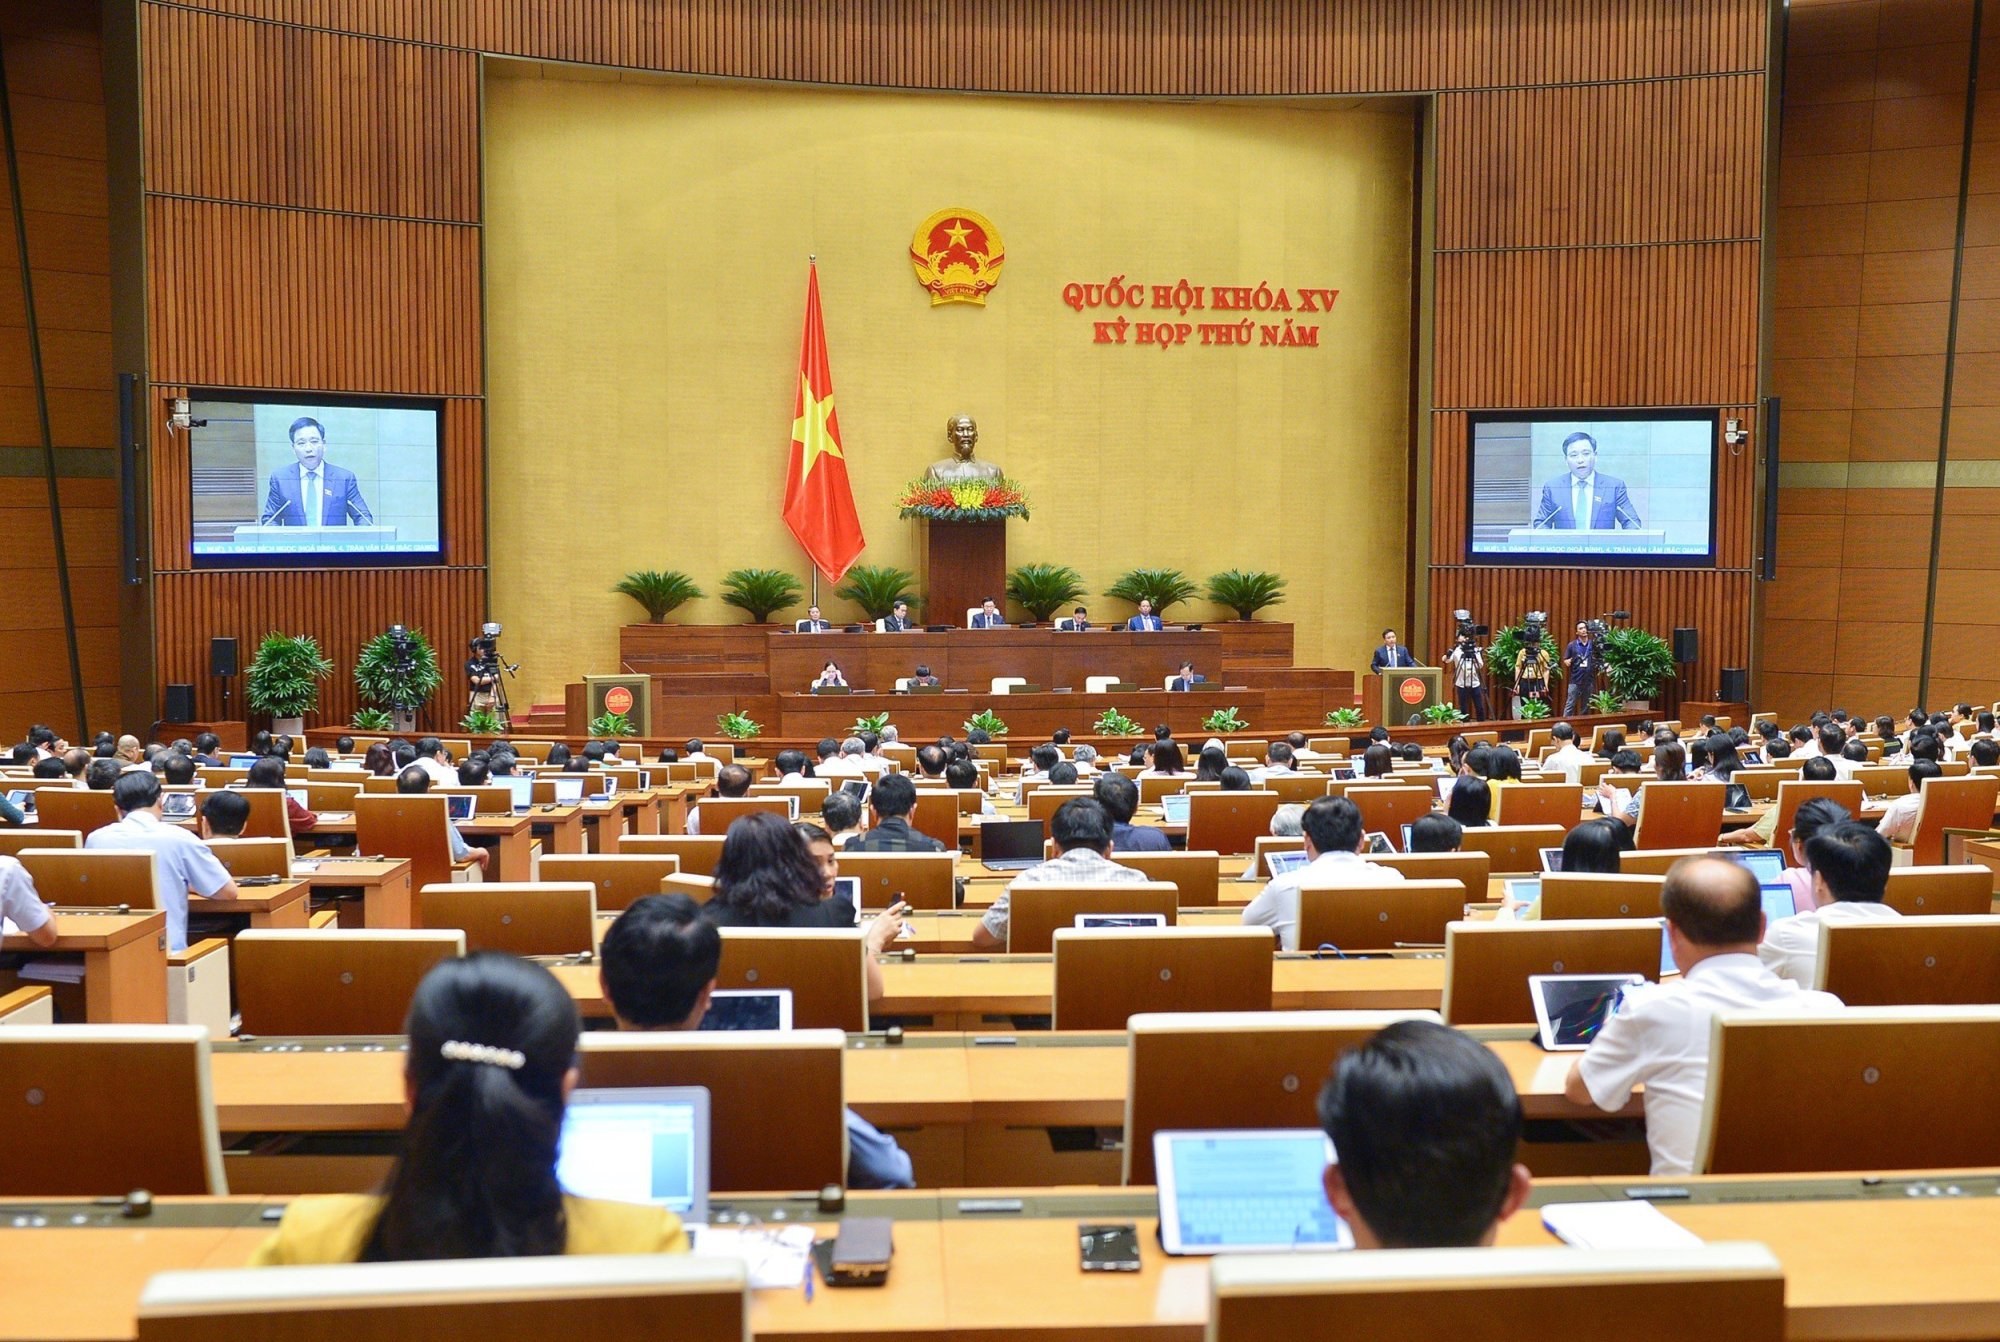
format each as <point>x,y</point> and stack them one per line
<point>491,1065</point>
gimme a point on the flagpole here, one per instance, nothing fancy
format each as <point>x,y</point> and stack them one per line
<point>812,260</point>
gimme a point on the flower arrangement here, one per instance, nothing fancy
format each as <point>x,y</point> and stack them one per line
<point>964,501</point>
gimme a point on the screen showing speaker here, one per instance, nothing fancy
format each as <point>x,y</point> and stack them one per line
<point>285,480</point>
<point>1620,488</point>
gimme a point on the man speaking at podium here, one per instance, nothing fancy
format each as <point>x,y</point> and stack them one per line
<point>313,493</point>
<point>1582,497</point>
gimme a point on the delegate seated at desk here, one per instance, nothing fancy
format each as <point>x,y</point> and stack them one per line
<point>491,1064</point>
<point>1333,837</point>
<point>898,620</point>
<point>890,801</point>
<point>1186,679</point>
<point>830,678</point>
<point>812,623</point>
<point>988,616</point>
<point>1082,831</point>
<point>1145,622</point>
<point>21,905</point>
<point>182,863</point>
<point>415,782</point>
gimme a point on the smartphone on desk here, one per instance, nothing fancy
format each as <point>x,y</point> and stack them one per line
<point>1108,1248</point>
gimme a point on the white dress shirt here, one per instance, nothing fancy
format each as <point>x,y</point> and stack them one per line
<point>442,775</point>
<point>1659,1040</point>
<point>1791,945</point>
<point>1568,762</point>
<point>1277,904</point>
<point>20,905</point>
<point>1078,866</point>
<point>1899,818</point>
<point>181,863</point>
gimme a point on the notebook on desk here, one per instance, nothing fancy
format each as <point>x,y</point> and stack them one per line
<point>1246,1192</point>
<point>644,1144</point>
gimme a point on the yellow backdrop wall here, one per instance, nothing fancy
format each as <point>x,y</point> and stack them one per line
<point>646,244</point>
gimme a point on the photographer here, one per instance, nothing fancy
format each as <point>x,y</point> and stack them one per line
<point>1467,662</point>
<point>1532,663</point>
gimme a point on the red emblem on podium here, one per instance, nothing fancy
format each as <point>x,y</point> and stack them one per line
<point>1412,690</point>
<point>618,699</point>
<point>957,255</point>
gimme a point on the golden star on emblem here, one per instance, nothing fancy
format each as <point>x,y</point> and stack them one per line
<point>957,231</point>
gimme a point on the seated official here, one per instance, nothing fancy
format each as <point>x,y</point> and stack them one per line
<point>1568,758</point>
<point>21,905</point>
<point>1186,679</point>
<point>1079,620</point>
<point>882,929</point>
<point>1119,796</point>
<point>491,1064</point>
<point>1590,849</point>
<point>1084,757</point>
<point>1082,831</point>
<point>840,814</point>
<point>1166,761</point>
<point>1471,803</point>
<point>963,776</point>
<point>658,963</point>
<point>791,767</point>
<point>269,772</point>
<point>1063,774</point>
<point>1145,621</point>
<point>1390,654</point>
<point>731,781</point>
<point>845,762</point>
<point>1235,780</point>
<point>890,803</point>
<point>1041,759</point>
<point>931,762</point>
<point>182,862</point>
<point>1669,766</point>
<point>988,616</point>
<point>415,781</point>
<point>1210,763</point>
<point>1333,836</point>
<point>1813,815</point>
<point>923,679</point>
<point>1435,833</point>
<point>1659,1037</point>
<point>224,815</point>
<point>435,760</point>
<point>1759,835</point>
<point>1287,822</point>
<point>1850,875</point>
<point>812,623</point>
<point>1425,1124</point>
<point>830,678</point>
<point>1278,759</point>
<point>898,620</point>
<point>1899,817</point>
<point>766,877</point>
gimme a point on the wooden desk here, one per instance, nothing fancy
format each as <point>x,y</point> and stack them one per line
<point>124,963</point>
<point>284,905</point>
<point>969,659</point>
<point>559,829</point>
<point>924,717</point>
<point>1859,1262</point>
<point>383,886</point>
<point>507,835</point>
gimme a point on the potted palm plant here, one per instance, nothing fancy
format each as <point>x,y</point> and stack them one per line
<point>1044,589</point>
<point>762,592</point>
<point>1163,587</point>
<point>284,680</point>
<point>397,670</point>
<point>659,591</point>
<point>876,588</point>
<point>1245,591</point>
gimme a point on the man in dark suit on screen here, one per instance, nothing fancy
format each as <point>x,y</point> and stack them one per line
<point>1582,497</point>
<point>311,492</point>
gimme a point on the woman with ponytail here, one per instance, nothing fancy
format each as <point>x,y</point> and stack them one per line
<point>491,1064</point>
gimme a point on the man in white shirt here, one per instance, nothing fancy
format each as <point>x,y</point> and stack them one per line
<point>21,907</point>
<point>416,782</point>
<point>1081,828</point>
<point>1277,763</point>
<point>1659,1036</point>
<point>1850,874</point>
<point>1333,835</point>
<point>1899,817</point>
<point>732,780</point>
<point>181,862</point>
<point>1566,759</point>
<point>846,764</point>
<point>435,761</point>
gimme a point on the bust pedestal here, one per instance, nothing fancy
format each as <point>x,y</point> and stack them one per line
<point>961,563</point>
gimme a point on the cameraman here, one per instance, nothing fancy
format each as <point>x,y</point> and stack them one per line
<point>1531,663</point>
<point>1467,662</point>
<point>482,677</point>
<point>1580,661</point>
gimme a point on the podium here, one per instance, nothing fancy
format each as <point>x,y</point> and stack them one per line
<point>1588,540</point>
<point>1391,697</point>
<point>628,694</point>
<point>962,564</point>
<point>309,540</point>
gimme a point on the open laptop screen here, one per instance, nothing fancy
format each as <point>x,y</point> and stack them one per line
<point>522,786</point>
<point>647,1144</point>
<point>569,791</point>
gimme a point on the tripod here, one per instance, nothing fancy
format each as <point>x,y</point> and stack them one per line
<point>491,667</point>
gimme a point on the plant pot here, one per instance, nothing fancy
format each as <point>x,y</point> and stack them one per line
<point>1636,706</point>
<point>403,721</point>
<point>293,727</point>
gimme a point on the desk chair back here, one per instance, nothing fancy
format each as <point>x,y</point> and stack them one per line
<point>326,981</point>
<point>13,842</point>
<point>99,1110</point>
<point>1514,850</point>
<point>493,1300</point>
<point>1796,792</point>
<point>1658,861</point>
<point>520,918</point>
<point>253,857</point>
<point>1487,964</point>
<point>922,880</point>
<point>936,814</point>
<point>220,775</point>
<point>74,808</point>
<point>1877,1088</point>
<point>1950,803</point>
<point>700,889</point>
<point>1557,804</point>
<point>1197,875</point>
<point>1045,801</point>
<point>1388,809</point>
<point>719,813</point>
<point>1679,815</point>
<point>1884,780</point>
<point>1568,896</point>
<point>618,878</point>
<point>1912,961</point>
<point>269,818</point>
<point>1034,912</point>
<point>1256,1069</point>
<point>1762,784</point>
<point>698,853</point>
<point>544,791</point>
<point>1104,975</point>
<point>1245,750</point>
<point>1267,844</point>
<point>535,752</point>
<point>1300,789</point>
<point>324,797</point>
<point>1229,822</point>
<point>1152,787</point>
<point>408,825</point>
<point>810,793</point>
<point>1549,1294</point>
<point>1378,917</point>
<point>824,967</point>
<point>775,1098</point>
<point>1925,891</point>
<point>1473,870</point>
<point>487,800</point>
<point>85,878</point>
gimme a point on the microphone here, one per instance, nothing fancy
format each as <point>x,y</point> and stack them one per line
<point>1548,513</point>
<point>1623,512</point>
<point>275,515</point>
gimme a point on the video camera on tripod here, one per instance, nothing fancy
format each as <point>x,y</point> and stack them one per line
<point>484,688</point>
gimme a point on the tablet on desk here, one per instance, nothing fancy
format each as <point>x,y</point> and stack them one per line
<point>1088,920</point>
<point>1571,1008</point>
<point>748,1009</point>
<point>1552,859</point>
<point>23,798</point>
<point>177,805</point>
<point>299,795</point>
<point>1284,864</point>
<point>1174,807</point>
<point>645,1144</point>
<point>1246,1192</point>
<point>459,805</point>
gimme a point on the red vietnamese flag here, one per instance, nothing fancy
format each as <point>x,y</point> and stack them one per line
<point>819,502</point>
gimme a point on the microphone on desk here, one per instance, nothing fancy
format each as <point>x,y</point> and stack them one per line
<point>271,517</point>
<point>1547,515</point>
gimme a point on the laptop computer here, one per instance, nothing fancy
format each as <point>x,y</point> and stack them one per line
<point>1174,807</point>
<point>522,788</point>
<point>1524,890</point>
<point>748,1009</point>
<point>569,791</point>
<point>243,761</point>
<point>1285,863</point>
<point>1768,866</point>
<point>1084,920</point>
<point>1571,1008</point>
<point>459,805</point>
<point>1010,845</point>
<point>1552,859</point>
<point>645,1144</point>
<point>1245,1192</point>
